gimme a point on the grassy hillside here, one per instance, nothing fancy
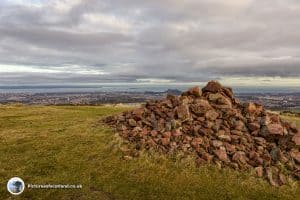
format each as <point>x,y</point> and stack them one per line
<point>68,145</point>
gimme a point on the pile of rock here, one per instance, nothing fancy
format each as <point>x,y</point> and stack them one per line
<point>219,129</point>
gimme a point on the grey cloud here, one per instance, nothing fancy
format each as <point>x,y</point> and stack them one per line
<point>63,40</point>
<point>178,40</point>
<point>283,69</point>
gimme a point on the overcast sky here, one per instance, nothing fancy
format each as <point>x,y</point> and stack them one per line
<point>250,42</point>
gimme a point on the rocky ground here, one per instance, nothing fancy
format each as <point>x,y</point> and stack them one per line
<point>214,124</point>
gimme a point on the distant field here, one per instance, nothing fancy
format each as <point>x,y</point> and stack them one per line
<point>68,145</point>
<point>294,110</point>
<point>293,119</point>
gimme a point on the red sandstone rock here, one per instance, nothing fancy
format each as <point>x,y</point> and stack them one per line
<point>212,86</point>
<point>183,112</point>
<point>254,126</point>
<point>196,91</point>
<point>251,108</point>
<point>296,139</point>
<point>211,115</point>
<point>296,156</point>
<point>259,171</point>
<point>165,141</point>
<point>221,154</point>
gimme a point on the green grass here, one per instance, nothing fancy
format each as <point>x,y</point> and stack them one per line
<point>68,145</point>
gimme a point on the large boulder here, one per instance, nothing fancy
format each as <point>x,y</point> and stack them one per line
<point>212,86</point>
<point>272,130</point>
<point>220,100</point>
<point>183,112</point>
<point>195,91</point>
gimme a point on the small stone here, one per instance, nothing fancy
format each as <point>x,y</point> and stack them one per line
<point>275,129</point>
<point>201,119</point>
<point>259,171</point>
<point>132,122</point>
<point>239,125</point>
<point>282,179</point>
<point>270,177</point>
<point>275,118</point>
<point>183,112</point>
<point>221,132</point>
<point>137,129</point>
<point>228,92</point>
<point>283,157</point>
<point>196,142</point>
<point>173,124</point>
<point>254,126</point>
<point>202,103</point>
<point>217,143</point>
<point>148,123</point>
<point>165,141</point>
<point>275,154</point>
<point>251,107</point>
<point>211,115</point>
<point>225,138</point>
<point>236,132</point>
<point>253,155</point>
<point>121,118</point>
<point>233,165</point>
<point>293,127</point>
<point>153,133</point>
<point>296,156</point>
<point>208,124</point>
<point>200,161</point>
<point>218,164</point>
<point>239,157</point>
<point>127,157</point>
<point>230,147</point>
<point>121,127</point>
<point>215,96</point>
<point>219,99</point>
<point>221,154</point>
<point>259,140</point>
<point>196,129</point>
<point>167,134</point>
<point>188,138</point>
<point>176,133</point>
<point>296,139</point>
<point>207,157</point>
<point>260,161</point>
<point>255,133</point>
<point>138,113</point>
<point>265,120</point>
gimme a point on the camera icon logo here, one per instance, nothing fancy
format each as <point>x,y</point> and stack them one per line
<point>15,186</point>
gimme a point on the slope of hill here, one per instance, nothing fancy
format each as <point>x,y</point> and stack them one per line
<point>68,145</point>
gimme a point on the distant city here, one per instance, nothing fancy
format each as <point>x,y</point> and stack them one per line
<point>284,101</point>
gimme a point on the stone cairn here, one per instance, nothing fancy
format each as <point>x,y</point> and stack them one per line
<point>219,129</point>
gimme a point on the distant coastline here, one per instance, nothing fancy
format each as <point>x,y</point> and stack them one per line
<point>131,88</point>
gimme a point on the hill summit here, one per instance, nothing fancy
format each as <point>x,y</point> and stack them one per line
<point>220,129</point>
